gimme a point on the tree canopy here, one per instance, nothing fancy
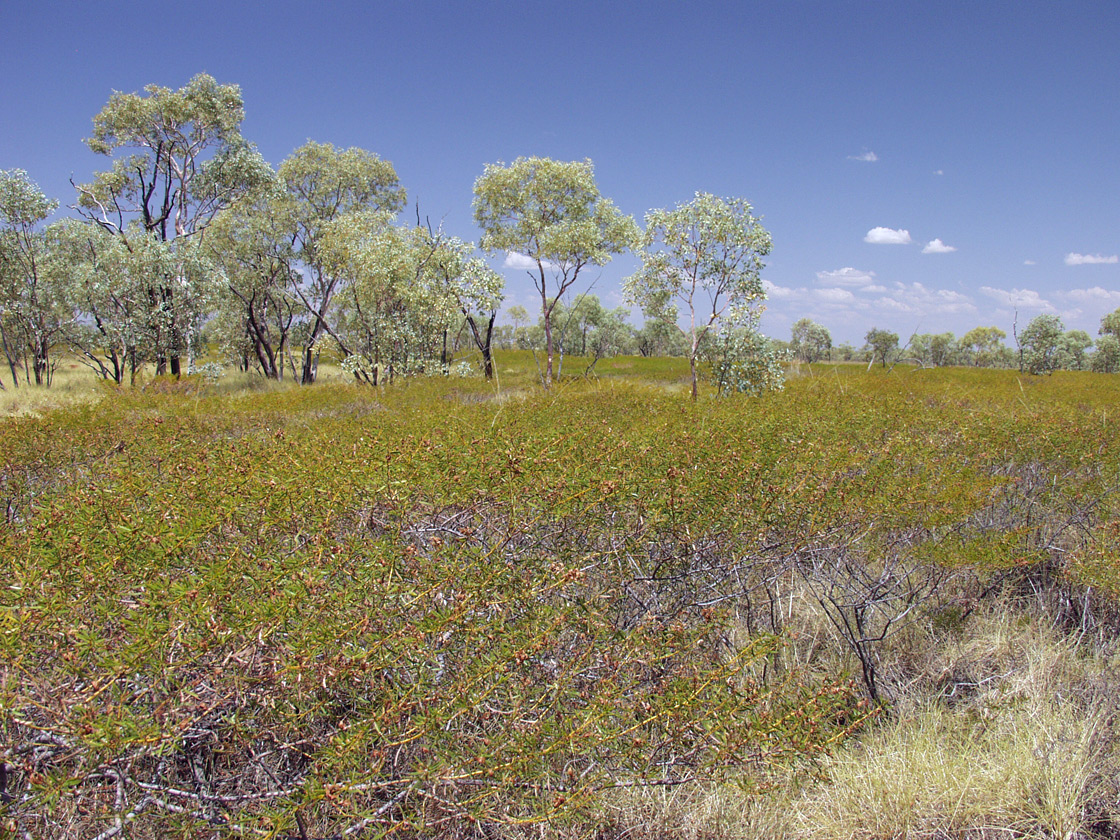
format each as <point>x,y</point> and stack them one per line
<point>552,213</point>
<point>706,256</point>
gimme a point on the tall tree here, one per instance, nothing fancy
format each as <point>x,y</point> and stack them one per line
<point>108,283</point>
<point>705,255</point>
<point>882,344</point>
<point>1110,324</point>
<point>1072,348</point>
<point>552,213</point>
<point>984,345</point>
<point>466,279</point>
<point>390,317</point>
<point>250,247</point>
<point>322,185</point>
<point>187,162</point>
<point>1106,355</point>
<point>810,341</point>
<point>1040,343</point>
<point>31,316</point>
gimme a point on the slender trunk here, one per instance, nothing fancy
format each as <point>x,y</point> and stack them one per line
<point>307,376</point>
<point>484,345</point>
<point>546,310</point>
<point>548,353</point>
<point>42,361</point>
<point>9,356</point>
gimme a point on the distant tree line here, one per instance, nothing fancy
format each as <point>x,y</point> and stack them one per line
<point>1042,346</point>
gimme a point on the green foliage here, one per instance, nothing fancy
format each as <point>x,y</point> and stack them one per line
<point>810,342</point>
<point>705,255</point>
<point>189,163</point>
<point>1106,358</point>
<point>1040,344</point>
<point>550,212</point>
<point>934,350</point>
<point>32,312</point>
<point>325,189</point>
<point>1071,349</point>
<point>1110,323</point>
<point>744,361</point>
<point>983,346</point>
<point>883,344</point>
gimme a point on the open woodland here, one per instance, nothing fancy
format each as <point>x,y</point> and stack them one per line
<point>878,603</point>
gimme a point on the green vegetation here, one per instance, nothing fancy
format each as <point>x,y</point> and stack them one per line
<point>875,604</point>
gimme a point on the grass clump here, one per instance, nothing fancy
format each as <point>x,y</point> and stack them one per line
<point>1016,735</point>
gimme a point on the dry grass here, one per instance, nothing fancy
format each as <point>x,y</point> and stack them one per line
<point>1010,731</point>
<point>1003,728</point>
<point>73,384</point>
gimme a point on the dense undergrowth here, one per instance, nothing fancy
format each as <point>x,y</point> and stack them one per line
<point>448,608</point>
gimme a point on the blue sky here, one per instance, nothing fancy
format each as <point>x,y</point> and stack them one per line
<point>990,129</point>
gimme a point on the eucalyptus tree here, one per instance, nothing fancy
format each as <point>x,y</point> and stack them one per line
<point>181,160</point>
<point>659,337</point>
<point>108,281</point>
<point>1110,324</point>
<point>552,213</point>
<point>935,349</point>
<point>251,249</point>
<point>1106,354</point>
<point>322,185</point>
<point>1072,349</point>
<point>32,315</point>
<point>466,280</point>
<point>705,255</point>
<point>1040,344</point>
<point>406,287</point>
<point>522,324</point>
<point>882,344</point>
<point>983,346</point>
<point>810,341</point>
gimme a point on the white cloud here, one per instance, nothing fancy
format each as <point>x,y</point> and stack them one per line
<point>866,157</point>
<point>777,292</point>
<point>834,295</point>
<point>917,299</point>
<point>846,277</point>
<point>939,172</point>
<point>873,289</point>
<point>1095,294</point>
<point>1029,262</point>
<point>1090,259</point>
<point>887,236</point>
<point>520,261</point>
<point>1019,298</point>
<point>936,246</point>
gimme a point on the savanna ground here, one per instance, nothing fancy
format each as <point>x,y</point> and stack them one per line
<point>876,604</point>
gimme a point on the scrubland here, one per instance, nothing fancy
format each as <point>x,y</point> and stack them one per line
<point>873,605</point>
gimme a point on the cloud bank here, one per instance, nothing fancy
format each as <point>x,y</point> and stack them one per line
<point>1019,298</point>
<point>866,157</point>
<point>846,277</point>
<point>1091,259</point>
